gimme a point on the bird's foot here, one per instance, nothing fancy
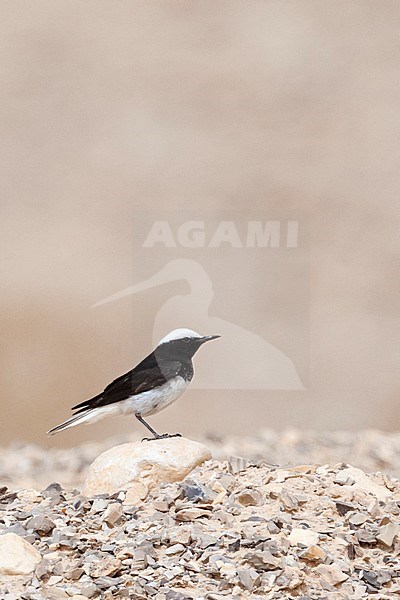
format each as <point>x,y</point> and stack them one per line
<point>162,436</point>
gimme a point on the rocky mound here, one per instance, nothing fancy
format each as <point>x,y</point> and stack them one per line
<point>230,529</point>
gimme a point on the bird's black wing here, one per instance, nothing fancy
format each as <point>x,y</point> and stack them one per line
<point>147,375</point>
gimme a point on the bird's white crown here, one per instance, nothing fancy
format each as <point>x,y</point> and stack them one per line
<point>178,334</point>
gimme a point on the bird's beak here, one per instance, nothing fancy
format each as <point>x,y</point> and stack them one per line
<point>208,338</point>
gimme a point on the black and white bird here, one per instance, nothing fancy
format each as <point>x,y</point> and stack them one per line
<point>156,382</point>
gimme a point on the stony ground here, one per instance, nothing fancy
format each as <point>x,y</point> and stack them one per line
<point>233,529</point>
<point>28,465</point>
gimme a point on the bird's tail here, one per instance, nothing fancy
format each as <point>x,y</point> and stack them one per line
<point>83,417</point>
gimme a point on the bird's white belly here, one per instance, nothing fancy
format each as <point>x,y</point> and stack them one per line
<point>152,401</point>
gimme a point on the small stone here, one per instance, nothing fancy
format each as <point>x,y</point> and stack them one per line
<point>289,501</point>
<point>76,573</point>
<point>42,524</point>
<point>175,595</point>
<point>113,514</point>
<point>344,478</point>
<point>191,565</point>
<point>304,537</point>
<point>89,589</point>
<point>105,581</point>
<point>263,561</point>
<point>313,553</point>
<point>58,568</point>
<point>194,491</point>
<point>249,578</point>
<point>161,505</point>
<point>29,496</point>
<point>107,547</point>
<point>237,464</point>
<point>228,570</point>
<point>351,551</point>
<point>291,578</point>
<point>54,579</point>
<point>250,498</point>
<point>53,593</point>
<point>44,568</point>
<point>343,508</point>
<point>175,549</point>
<point>16,528</point>
<point>205,541</point>
<point>99,504</point>
<point>332,574</point>
<point>53,490</point>
<point>17,556</point>
<point>180,535</point>
<point>7,497</point>
<point>190,514</point>
<point>102,565</point>
<point>387,533</point>
<point>373,507</point>
<point>365,537</point>
<point>358,518</point>
<point>273,527</point>
<point>371,578</point>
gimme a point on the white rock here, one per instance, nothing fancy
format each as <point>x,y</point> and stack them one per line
<point>17,556</point>
<point>361,481</point>
<point>140,466</point>
<point>306,537</point>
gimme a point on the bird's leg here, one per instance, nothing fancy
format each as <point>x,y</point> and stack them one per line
<point>156,436</point>
<point>153,431</point>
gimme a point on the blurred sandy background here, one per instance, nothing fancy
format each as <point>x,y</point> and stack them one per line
<point>110,108</point>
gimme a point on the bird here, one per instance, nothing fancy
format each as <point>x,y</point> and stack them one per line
<point>156,382</point>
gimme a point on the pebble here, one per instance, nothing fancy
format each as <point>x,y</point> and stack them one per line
<point>113,513</point>
<point>17,556</point>
<point>387,534</point>
<point>53,593</point>
<point>303,537</point>
<point>175,549</point>
<point>357,518</point>
<point>250,498</point>
<point>332,574</point>
<point>89,590</point>
<point>313,553</point>
<point>190,514</point>
<point>248,578</point>
<point>263,561</point>
<point>42,524</point>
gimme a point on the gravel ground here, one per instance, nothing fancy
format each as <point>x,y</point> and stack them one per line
<point>30,466</point>
<point>228,531</point>
<point>236,527</point>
